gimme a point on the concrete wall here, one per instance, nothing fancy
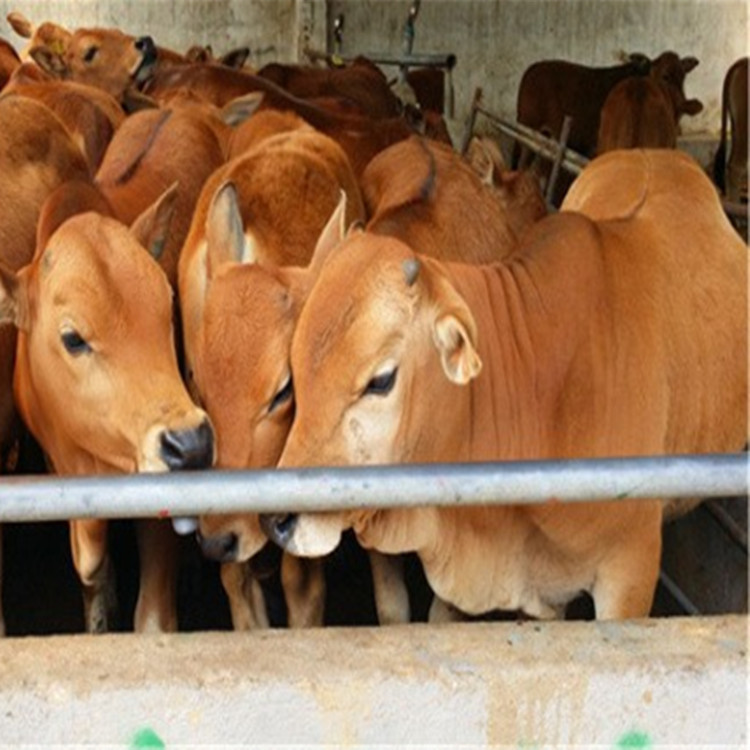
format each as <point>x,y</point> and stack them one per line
<point>496,40</point>
<point>269,27</point>
<point>677,683</point>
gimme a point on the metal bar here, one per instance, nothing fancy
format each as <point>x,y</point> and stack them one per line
<point>684,601</point>
<point>447,60</point>
<point>471,121</point>
<point>725,520</point>
<point>557,161</point>
<point>547,148</point>
<point>314,489</point>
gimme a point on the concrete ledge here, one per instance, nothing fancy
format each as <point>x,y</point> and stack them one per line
<point>657,683</point>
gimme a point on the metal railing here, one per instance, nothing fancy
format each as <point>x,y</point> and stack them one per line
<point>45,498</point>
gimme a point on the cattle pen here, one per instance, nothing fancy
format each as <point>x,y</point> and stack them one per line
<point>678,679</point>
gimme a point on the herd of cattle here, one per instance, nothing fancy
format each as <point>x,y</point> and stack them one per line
<point>201,265</point>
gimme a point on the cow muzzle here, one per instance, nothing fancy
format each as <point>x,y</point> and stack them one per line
<point>221,547</point>
<point>149,55</point>
<point>187,449</point>
<point>279,527</point>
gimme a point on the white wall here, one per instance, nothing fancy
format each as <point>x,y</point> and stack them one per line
<point>495,40</point>
<point>269,27</point>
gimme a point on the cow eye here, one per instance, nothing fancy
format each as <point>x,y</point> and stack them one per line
<point>90,54</point>
<point>382,384</point>
<point>282,396</point>
<point>75,343</point>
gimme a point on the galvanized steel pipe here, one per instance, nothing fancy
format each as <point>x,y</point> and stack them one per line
<point>35,498</point>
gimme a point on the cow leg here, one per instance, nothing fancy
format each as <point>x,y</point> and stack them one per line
<point>246,602</point>
<point>442,611</point>
<point>88,543</point>
<point>626,579</point>
<point>156,610</point>
<point>391,596</point>
<point>304,584</point>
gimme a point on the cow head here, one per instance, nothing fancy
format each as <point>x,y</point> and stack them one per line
<point>670,71</point>
<point>97,379</point>
<point>380,346</point>
<point>105,58</point>
<point>241,363</point>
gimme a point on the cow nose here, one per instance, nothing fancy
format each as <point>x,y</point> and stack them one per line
<point>222,548</point>
<point>188,449</point>
<point>146,45</point>
<point>278,527</point>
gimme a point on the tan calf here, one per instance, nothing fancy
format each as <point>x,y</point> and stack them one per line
<point>263,210</point>
<point>153,150</point>
<point>105,58</point>
<point>91,115</point>
<point>37,155</point>
<point>419,192</point>
<point>617,331</point>
<point>97,382</point>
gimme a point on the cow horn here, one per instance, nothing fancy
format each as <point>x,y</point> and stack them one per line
<point>411,270</point>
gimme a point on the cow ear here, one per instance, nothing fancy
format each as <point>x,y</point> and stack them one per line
<point>455,335</point>
<point>241,108</point>
<point>13,298</point>
<point>688,63</point>
<point>333,233</point>
<point>49,61</point>
<point>151,228</point>
<point>226,237</point>
<point>20,24</point>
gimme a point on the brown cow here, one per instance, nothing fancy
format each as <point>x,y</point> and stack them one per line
<point>94,313</point>
<point>637,114</point>
<point>360,136</point>
<point>91,115</point>
<point>37,154</point>
<point>362,83</point>
<point>154,149</point>
<point>619,328</point>
<point>644,112</point>
<point>730,175</point>
<point>105,58</point>
<point>551,89</point>
<point>268,205</point>
<point>421,191</point>
<point>418,190</point>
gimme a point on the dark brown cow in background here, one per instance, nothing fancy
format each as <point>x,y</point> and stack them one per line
<point>362,83</point>
<point>731,175</point>
<point>551,89</point>
<point>644,112</point>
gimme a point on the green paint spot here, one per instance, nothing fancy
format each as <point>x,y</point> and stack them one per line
<point>637,740</point>
<point>147,739</point>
